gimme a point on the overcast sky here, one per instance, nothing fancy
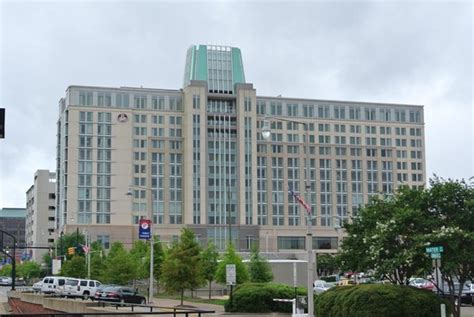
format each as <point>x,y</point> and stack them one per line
<point>396,52</point>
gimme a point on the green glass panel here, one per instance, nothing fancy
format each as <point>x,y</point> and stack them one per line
<point>237,66</point>
<point>200,66</point>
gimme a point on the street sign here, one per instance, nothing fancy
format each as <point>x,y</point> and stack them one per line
<point>144,229</point>
<point>436,255</point>
<point>437,249</point>
<point>230,274</point>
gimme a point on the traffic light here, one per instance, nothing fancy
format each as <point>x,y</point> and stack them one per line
<point>71,250</point>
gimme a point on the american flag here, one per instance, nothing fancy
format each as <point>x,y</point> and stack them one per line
<point>85,248</point>
<point>301,201</point>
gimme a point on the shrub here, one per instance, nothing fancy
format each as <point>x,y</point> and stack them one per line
<point>258,298</point>
<point>377,300</point>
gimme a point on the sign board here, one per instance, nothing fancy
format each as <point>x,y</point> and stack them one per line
<point>56,266</point>
<point>230,274</point>
<point>435,255</point>
<point>144,229</point>
<point>438,249</point>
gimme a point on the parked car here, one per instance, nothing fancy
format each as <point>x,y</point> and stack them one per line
<point>346,282</point>
<point>80,288</point>
<point>100,289</point>
<point>37,286</point>
<point>419,282</point>
<point>121,294</point>
<point>467,294</point>
<point>5,281</point>
<point>53,284</point>
<point>321,286</point>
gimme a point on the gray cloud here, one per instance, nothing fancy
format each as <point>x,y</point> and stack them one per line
<point>401,52</point>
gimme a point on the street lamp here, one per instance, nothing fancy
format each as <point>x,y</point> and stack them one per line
<point>266,132</point>
<point>150,217</point>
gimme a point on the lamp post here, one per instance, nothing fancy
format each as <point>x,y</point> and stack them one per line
<point>266,132</point>
<point>150,217</point>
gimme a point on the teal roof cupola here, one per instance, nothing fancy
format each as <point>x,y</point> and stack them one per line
<point>220,66</point>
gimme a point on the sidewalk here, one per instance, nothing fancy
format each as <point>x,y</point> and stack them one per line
<point>167,302</point>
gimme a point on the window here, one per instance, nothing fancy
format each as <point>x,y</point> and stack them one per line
<point>292,110</point>
<point>104,240</point>
<point>291,243</point>
<point>339,112</point>
<point>139,101</point>
<point>400,115</point>
<point>354,113</point>
<point>323,112</point>
<point>158,103</point>
<point>370,114</point>
<point>122,100</point>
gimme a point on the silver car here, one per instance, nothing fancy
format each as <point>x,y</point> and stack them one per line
<point>321,286</point>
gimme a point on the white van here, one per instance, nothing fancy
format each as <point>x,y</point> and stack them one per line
<point>53,284</point>
<point>80,288</point>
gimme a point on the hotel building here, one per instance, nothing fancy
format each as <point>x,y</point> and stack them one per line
<point>196,157</point>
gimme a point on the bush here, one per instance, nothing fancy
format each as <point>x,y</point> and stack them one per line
<point>258,298</point>
<point>377,300</point>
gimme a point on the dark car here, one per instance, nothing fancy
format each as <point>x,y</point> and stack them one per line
<point>121,294</point>
<point>99,290</point>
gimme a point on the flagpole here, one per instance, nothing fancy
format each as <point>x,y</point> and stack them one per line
<point>88,240</point>
<point>266,132</point>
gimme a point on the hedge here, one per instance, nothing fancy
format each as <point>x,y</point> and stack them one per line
<point>374,300</point>
<point>258,298</point>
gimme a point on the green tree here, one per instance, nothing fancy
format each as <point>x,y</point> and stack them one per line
<point>209,264</point>
<point>181,266</point>
<point>158,258</point>
<point>140,253</point>
<point>72,239</point>
<point>28,270</point>
<point>387,237</point>
<point>97,258</point>
<point>259,269</point>
<point>451,213</point>
<point>327,264</point>
<point>75,267</point>
<point>231,257</point>
<point>6,270</point>
<point>391,234</point>
<point>120,268</point>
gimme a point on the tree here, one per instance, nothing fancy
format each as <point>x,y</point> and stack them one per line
<point>391,234</point>
<point>28,270</point>
<point>140,254</point>
<point>231,257</point>
<point>327,264</point>
<point>158,258</point>
<point>209,264</point>
<point>451,211</point>
<point>259,269</point>
<point>6,270</point>
<point>387,236</point>
<point>97,259</point>
<point>120,268</point>
<point>181,266</point>
<point>75,267</point>
<point>72,239</point>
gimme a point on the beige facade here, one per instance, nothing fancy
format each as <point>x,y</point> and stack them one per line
<point>196,156</point>
<point>40,214</point>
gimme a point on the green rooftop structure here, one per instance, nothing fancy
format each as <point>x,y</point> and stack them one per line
<point>220,66</point>
<point>13,213</point>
